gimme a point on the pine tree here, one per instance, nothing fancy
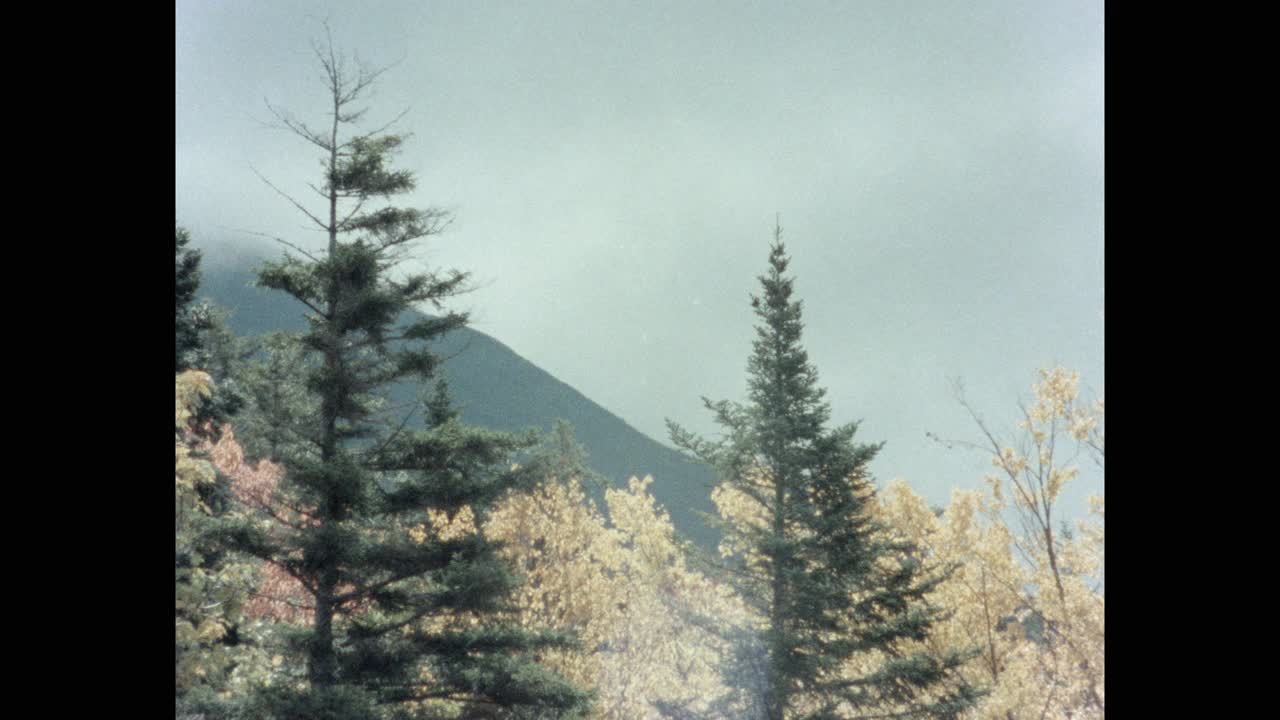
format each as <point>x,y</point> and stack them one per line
<point>406,617</point>
<point>203,341</point>
<point>186,271</point>
<point>832,588</point>
<point>209,586</point>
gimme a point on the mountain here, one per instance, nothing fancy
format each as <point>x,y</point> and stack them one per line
<point>497,389</point>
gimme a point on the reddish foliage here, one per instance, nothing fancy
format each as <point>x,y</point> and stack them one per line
<point>278,596</point>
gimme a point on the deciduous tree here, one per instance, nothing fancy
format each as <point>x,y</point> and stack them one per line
<point>211,587</point>
<point>652,631</point>
<point>1027,593</point>
<point>1061,674</point>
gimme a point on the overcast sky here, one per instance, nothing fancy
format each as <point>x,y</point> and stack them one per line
<point>616,168</point>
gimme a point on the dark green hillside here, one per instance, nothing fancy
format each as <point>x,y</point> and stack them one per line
<point>498,389</point>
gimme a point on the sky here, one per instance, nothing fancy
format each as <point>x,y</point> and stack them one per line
<point>616,170</point>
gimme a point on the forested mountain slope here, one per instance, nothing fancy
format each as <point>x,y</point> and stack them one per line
<point>497,389</point>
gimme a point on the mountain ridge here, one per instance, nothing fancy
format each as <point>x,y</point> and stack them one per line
<point>495,387</point>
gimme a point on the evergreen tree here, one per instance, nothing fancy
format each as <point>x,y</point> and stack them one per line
<point>833,589</point>
<point>186,270</point>
<point>203,341</point>
<point>209,586</point>
<point>225,357</point>
<point>407,618</point>
<point>279,406</point>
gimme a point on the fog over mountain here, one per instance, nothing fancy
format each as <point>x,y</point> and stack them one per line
<point>495,388</point>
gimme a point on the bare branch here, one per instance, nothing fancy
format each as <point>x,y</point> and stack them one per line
<point>318,191</point>
<point>364,78</point>
<point>393,121</point>
<point>282,241</point>
<point>287,196</point>
<point>342,225</point>
<point>377,452</point>
<point>297,127</point>
<point>352,117</point>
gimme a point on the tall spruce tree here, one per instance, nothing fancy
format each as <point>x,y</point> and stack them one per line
<point>408,611</point>
<point>831,586</point>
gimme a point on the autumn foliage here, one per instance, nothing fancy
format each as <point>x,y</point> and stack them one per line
<point>650,627</point>
<point>276,595</point>
<point>1026,593</point>
<point>654,634</point>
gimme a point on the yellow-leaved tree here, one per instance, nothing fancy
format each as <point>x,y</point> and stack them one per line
<point>211,586</point>
<point>652,631</point>
<point>1028,590</point>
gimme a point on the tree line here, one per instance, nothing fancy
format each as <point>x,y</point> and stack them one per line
<point>341,556</point>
